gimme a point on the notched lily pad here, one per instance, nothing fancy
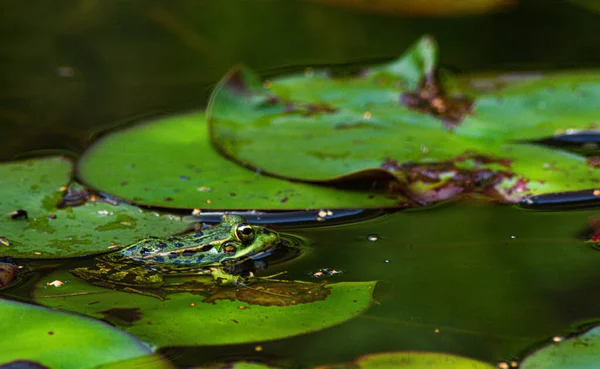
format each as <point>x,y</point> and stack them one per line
<point>45,218</point>
<point>223,319</point>
<point>578,352</point>
<point>432,98</point>
<point>170,162</point>
<point>411,360</point>
<point>47,337</point>
<point>400,120</point>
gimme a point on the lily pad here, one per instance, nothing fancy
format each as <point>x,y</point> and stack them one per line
<point>61,340</point>
<point>170,162</point>
<point>411,360</point>
<point>398,119</point>
<point>579,352</point>
<point>35,227</point>
<point>202,321</point>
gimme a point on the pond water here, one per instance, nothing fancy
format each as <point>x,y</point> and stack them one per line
<point>484,281</point>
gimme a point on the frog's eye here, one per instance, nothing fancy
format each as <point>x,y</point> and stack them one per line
<point>229,249</point>
<point>244,233</point>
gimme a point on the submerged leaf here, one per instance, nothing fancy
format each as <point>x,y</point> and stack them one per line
<point>411,360</point>
<point>38,222</point>
<point>212,321</point>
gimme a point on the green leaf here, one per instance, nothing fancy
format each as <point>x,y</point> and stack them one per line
<point>536,108</point>
<point>578,352</point>
<point>436,144</point>
<point>48,232</point>
<point>412,360</point>
<point>204,321</point>
<point>61,340</point>
<point>170,162</point>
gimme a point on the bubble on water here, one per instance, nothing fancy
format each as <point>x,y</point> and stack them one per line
<point>65,71</point>
<point>372,237</point>
<point>326,272</point>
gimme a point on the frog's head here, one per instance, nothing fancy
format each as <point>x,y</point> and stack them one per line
<point>244,240</point>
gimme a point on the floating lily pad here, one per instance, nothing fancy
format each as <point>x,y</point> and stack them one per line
<point>202,321</point>
<point>411,360</point>
<point>42,230</point>
<point>170,162</point>
<point>400,120</point>
<point>61,340</point>
<point>577,352</point>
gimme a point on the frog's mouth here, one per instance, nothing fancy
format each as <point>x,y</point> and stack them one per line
<point>269,241</point>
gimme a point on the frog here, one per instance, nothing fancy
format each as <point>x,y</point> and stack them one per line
<point>226,251</point>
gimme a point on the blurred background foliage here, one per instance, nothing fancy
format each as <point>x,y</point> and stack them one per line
<point>75,68</point>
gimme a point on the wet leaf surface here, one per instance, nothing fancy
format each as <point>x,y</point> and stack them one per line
<point>48,337</point>
<point>34,186</point>
<point>170,162</point>
<point>399,119</point>
<point>578,352</point>
<point>188,319</point>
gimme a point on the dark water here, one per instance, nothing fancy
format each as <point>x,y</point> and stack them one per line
<point>495,281</point>
<point>70,69</point>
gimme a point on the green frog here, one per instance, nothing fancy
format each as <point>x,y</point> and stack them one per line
<point>220,250</point>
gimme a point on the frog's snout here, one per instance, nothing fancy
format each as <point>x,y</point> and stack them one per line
<point>272,236</point>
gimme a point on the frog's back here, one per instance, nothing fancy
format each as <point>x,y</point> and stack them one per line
<point>194,249</point>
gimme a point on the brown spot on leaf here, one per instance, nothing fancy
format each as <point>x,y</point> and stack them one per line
<point>122,316</point>
<point>236,83</point>
<point>469,173</point>
<point>594,161</point>
<point>431,98</point>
